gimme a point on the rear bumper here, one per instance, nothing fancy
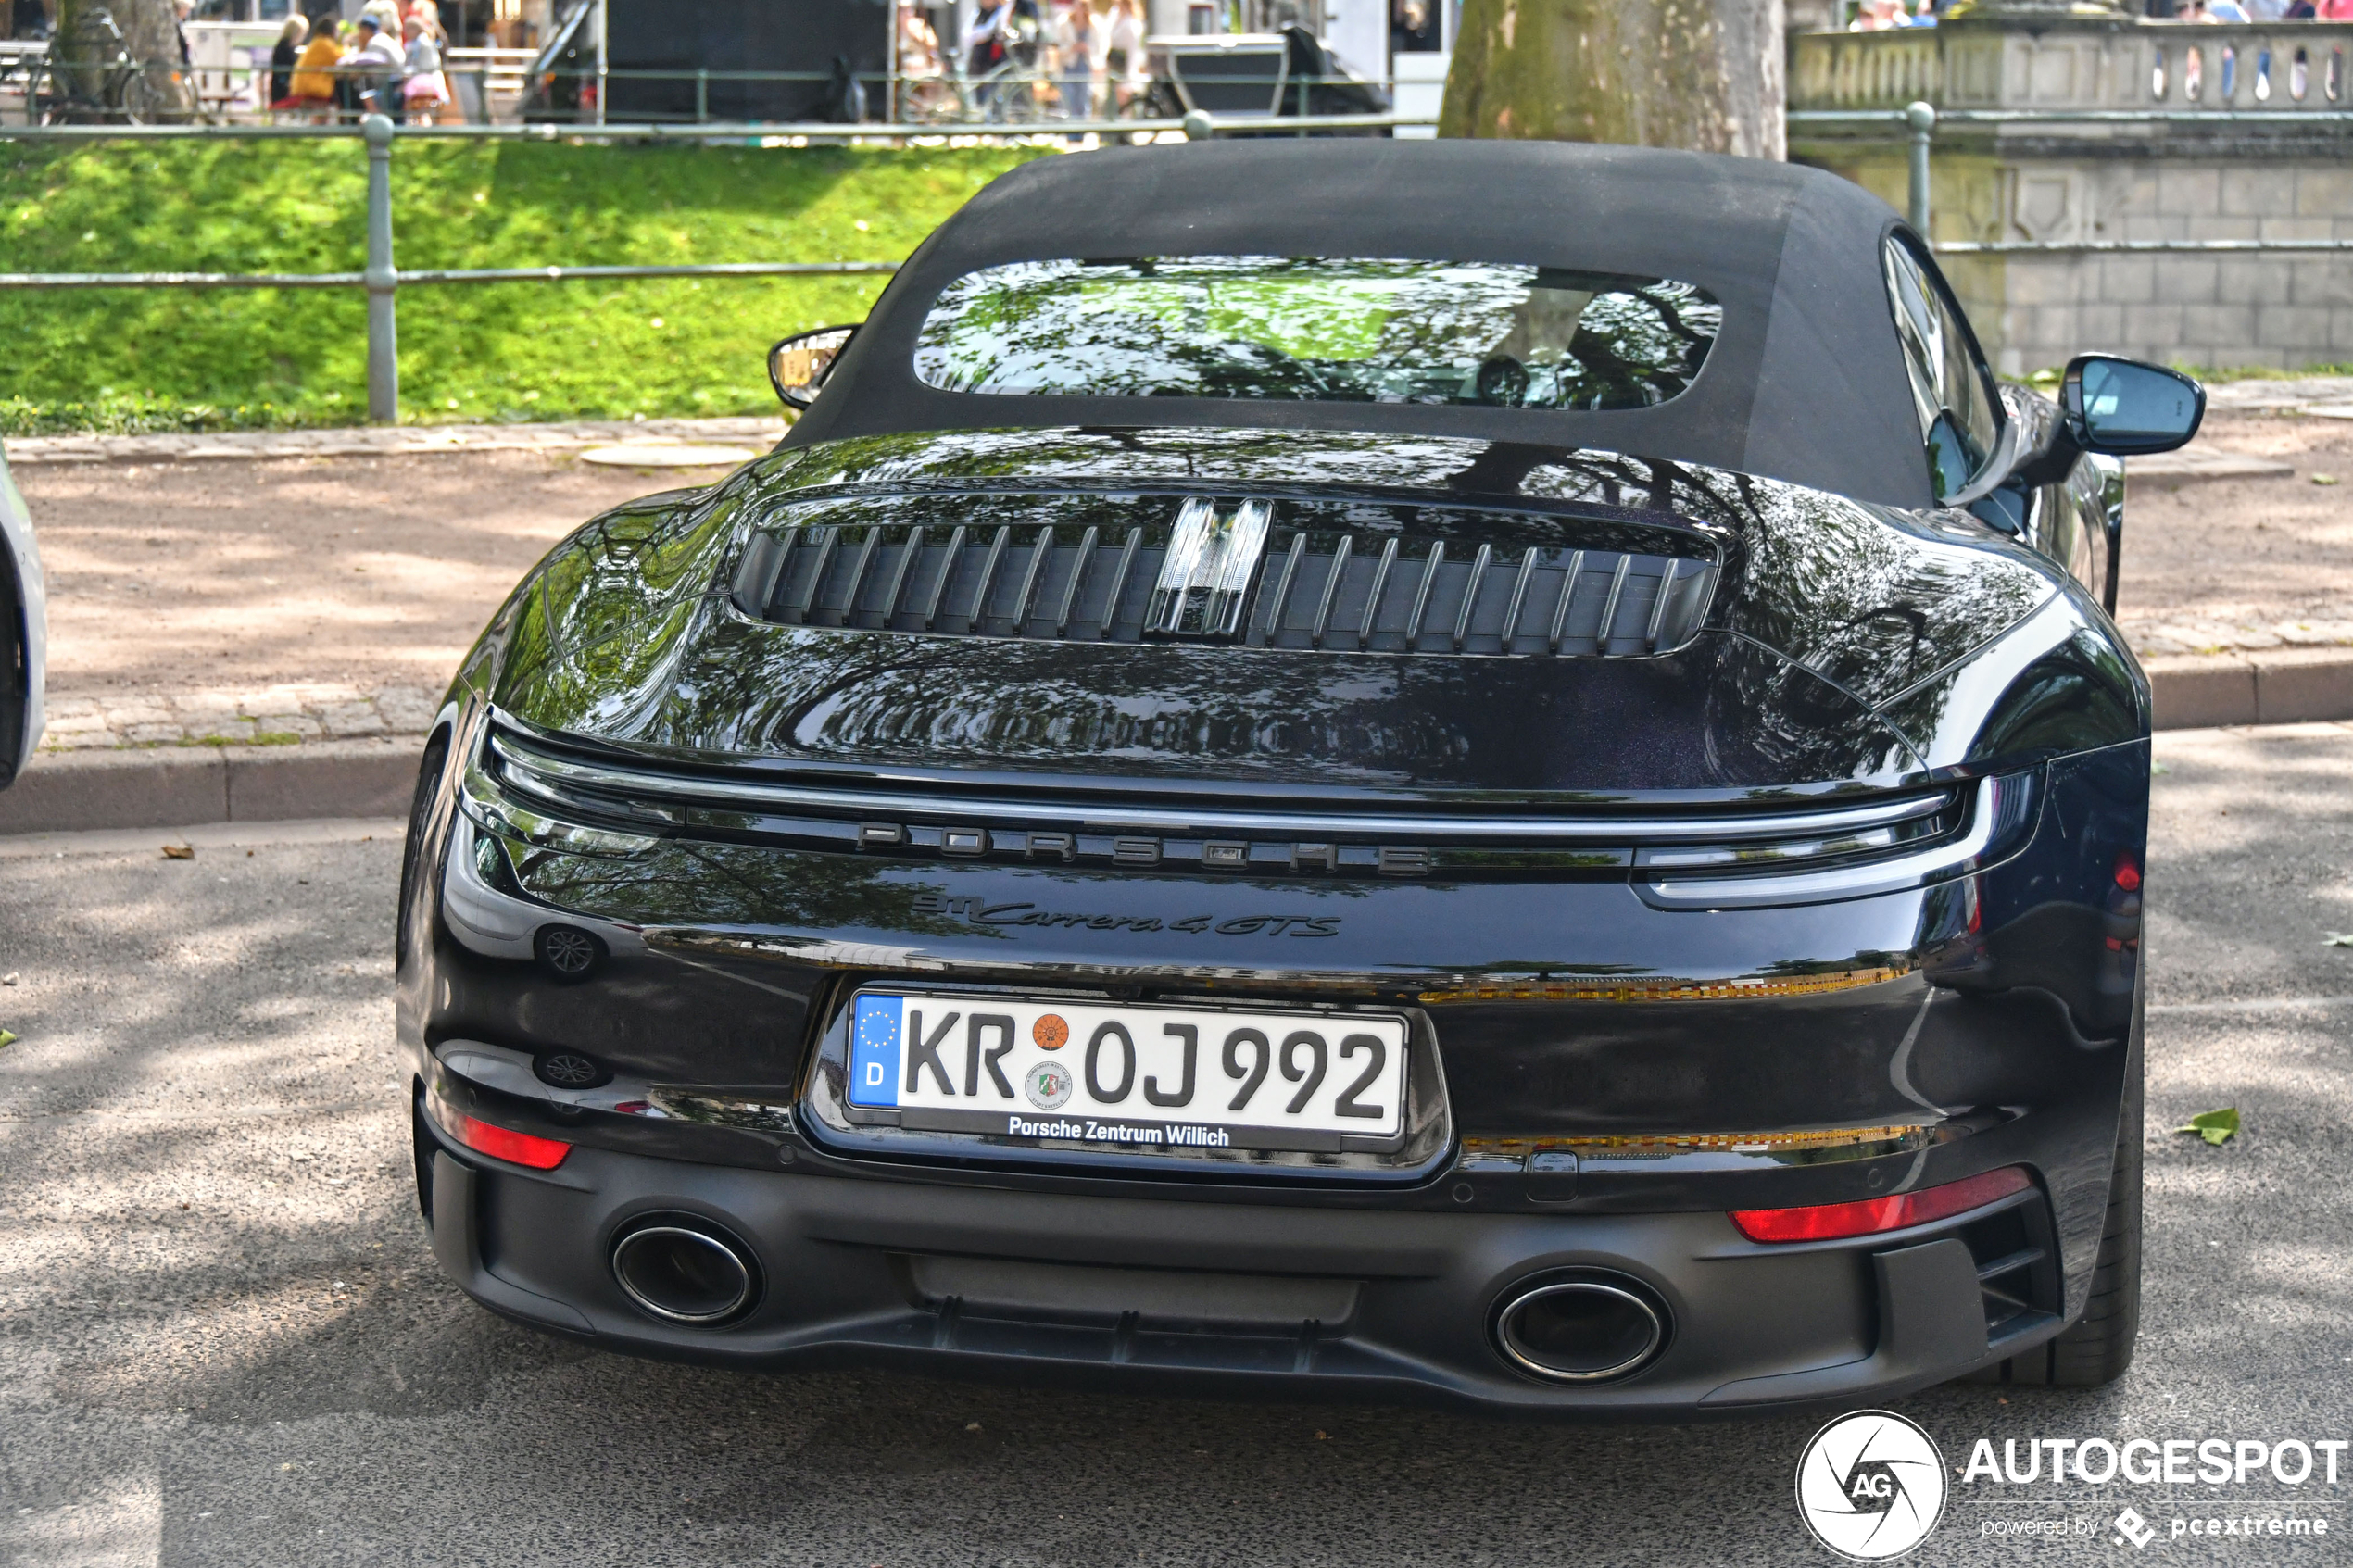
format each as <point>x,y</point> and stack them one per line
<point>1309,1303</point>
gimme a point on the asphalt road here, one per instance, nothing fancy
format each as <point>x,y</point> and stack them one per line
<point>222,1338</point>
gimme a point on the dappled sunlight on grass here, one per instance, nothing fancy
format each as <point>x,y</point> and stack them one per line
<point>180,359</point>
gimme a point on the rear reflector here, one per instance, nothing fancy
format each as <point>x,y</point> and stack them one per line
<point>1829,1221</point>
<point>500,1143</point>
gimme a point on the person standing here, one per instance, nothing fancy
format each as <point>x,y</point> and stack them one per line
<point>283,59</point>
<point>987,45</point>
<point>1124,60</point>
<point>1076,41</point>
<point>921,66</point>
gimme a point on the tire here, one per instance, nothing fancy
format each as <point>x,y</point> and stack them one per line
<point>142,104</point>
<point>421,801</point>
<point>2098,1347</point>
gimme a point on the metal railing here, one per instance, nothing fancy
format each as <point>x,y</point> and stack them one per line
<point>775,133</point>
<point>383,279</point>
<point>947,101</point>
<point>1921,121</point>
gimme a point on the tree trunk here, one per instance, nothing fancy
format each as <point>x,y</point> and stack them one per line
<point>1702,74</point>
<point>150,33</point>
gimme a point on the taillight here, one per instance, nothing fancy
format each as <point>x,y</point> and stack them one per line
<point>1830,1221</point>
<point>498,1143</point>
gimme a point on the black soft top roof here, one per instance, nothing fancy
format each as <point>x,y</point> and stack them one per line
<point>1806,382</point>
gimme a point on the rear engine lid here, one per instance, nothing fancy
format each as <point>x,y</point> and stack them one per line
<point>1299,574</point>
<point>1201,639</point>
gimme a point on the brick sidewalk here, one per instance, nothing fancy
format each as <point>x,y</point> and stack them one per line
<point>2302,394</point>
<point>2152,635</point>
<point>2310,395</point>
<point>389,441</point>
<point>281,715</point>
<point>2209,651</point>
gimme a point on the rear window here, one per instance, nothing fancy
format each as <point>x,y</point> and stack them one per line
<point>1318,329</point>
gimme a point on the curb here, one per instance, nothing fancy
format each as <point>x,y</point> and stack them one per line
<point>2276,687</point>
<point>81,791</point>
<point>78,791</point>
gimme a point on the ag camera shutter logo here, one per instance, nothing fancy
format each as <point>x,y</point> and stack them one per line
<point>1870,1486</point>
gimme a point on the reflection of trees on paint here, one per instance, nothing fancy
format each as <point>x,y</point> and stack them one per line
<point>1872,598</point>
<point>688,884</point>
<point>2078,696</point>
<point>1320,331</point>
<point>1868,602</point>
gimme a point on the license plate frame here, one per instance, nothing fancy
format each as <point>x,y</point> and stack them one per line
<point>1412,1139</point>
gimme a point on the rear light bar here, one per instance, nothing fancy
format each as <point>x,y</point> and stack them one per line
<point>2000,817</point>
<point>498,1143</point>
<point>1830,1221</point>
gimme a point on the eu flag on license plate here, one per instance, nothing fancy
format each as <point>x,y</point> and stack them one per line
<point>874,1051</point>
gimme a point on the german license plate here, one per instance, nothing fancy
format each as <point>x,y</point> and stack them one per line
<point>1150,1079</point>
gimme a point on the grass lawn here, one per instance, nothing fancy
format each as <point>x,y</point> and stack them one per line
<point>126,360</point>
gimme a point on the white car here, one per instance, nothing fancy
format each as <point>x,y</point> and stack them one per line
<point>23,631</point>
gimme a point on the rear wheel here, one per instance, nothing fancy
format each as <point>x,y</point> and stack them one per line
<point>142,102</point>
<point>2098,1347</point>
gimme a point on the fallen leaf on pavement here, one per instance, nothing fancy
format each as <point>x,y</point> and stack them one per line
<point>2337,938</point>
<point>2217,1127</point>
<point>179,851</point>
<point>2324,478</point>
<point>6,1038</point>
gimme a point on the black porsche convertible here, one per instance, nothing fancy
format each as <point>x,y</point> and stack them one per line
<point>1491,773</point>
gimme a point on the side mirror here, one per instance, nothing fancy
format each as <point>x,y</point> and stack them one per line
<point>799,365</point>
<point>2124,408</point>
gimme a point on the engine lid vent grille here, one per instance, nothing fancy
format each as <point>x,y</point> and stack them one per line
<point>1282,575</point>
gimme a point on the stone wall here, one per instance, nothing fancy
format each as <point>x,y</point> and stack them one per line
<point>2215,178</point>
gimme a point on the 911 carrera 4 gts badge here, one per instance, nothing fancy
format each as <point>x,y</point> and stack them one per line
<point>1047,1085</point>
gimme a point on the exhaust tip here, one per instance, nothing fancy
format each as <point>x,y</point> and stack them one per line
<point>1586,1327</point>
<point>682,1269</point>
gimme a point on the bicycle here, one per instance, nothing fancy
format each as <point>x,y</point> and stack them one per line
<point>1016,94</point>
<point>99,57</point>
<point>933,100</point>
